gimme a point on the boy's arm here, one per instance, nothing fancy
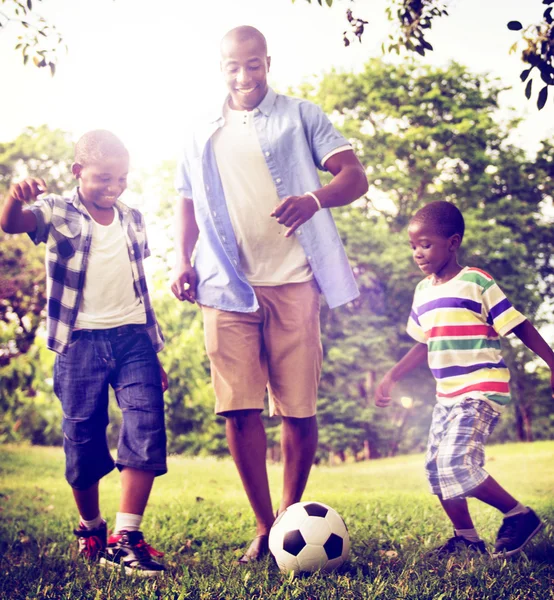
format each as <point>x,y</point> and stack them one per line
<point>413,358</point>
<point>527,333</point>
<point>14,218</point>
<point>186,236</point>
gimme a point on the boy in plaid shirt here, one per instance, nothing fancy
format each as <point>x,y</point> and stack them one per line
<point>457,317</point>
<point>101,324</point>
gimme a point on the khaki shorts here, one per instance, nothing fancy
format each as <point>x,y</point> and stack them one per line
<point>278,347</point>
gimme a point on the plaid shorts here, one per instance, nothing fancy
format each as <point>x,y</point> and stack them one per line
<point>456,447</point>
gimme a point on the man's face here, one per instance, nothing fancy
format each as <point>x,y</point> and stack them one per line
<point>245,66</point>
<point>102,182</point>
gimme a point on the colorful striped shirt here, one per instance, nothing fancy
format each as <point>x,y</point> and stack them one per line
<point>65,226</point>
<point>461,321</point>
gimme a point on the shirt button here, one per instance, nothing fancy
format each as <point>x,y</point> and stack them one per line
<point>309,258</point>
<point>235,262</point>
<point>207,188</point>
<point>214,213</point>
<point>268,153</point>
<point>278,180</point>
<point>299,231</point>
<point>256,111</point>
<point>223,238</point>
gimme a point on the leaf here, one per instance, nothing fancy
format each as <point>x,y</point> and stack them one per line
<point>426,44</point>
<point>513,48</point>
<point>547,1</point>
<point>528,89</point>
<point>543,96</point>
<point>524,74</point>
<point>52,68</point>
<point>30,4</point>
<point>515,25</point>
<point>420,50</point>
<point>329,2</point>
<point>548,15</point>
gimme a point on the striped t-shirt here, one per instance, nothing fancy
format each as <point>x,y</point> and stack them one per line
<point>461,321</point>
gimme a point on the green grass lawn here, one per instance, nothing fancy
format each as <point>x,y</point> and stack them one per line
<point>199,516</point>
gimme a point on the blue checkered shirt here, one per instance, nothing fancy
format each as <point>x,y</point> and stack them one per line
<point>65,227</point>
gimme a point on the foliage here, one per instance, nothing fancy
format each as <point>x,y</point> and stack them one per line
<point>43,153</point>
<point>38,40</point>
<point>414,17</point>
<point>199,516</point>
<point>539,52</point>
<point>427,134</point>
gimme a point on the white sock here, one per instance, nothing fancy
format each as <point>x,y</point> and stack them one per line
<point>470,535</point>
<point>516,510</point>
<point>94,523</point>
<point>127,522</point>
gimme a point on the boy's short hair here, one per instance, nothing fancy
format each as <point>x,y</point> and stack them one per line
<point>442,216</point>
<point>97,145</point>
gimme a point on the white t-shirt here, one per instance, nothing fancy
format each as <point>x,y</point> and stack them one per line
<point>109,298</point>
<point>267,257</point>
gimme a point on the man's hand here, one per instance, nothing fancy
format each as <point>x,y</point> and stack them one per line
<point>383,391</point>
<point>295,211</point>
<point>184,282</point>
<point>28,189</point>
<point>165,382</point>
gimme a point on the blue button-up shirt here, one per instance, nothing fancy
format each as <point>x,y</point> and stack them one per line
<point>295,135</point>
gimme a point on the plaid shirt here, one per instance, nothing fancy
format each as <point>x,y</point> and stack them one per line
<point>65,227</point>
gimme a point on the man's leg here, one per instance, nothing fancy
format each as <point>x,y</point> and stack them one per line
<point>247,443</point>
<point>298,445</point>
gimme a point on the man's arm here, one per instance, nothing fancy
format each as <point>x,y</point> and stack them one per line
<point>348,184</point>
<point>14,218</point>
<point>413,358</point>
<point>186,236</point>
<point>528,334</point>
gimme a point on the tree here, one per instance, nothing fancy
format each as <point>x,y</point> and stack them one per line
<point>45,153</point>
<point>414,17</point>
<point>427,134</point>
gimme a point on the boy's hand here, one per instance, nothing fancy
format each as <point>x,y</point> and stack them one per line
<point>383,392</point>
<point>28,189</point>
<point>165,382</point>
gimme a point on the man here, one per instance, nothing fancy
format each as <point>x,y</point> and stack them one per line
<point>267,246</point>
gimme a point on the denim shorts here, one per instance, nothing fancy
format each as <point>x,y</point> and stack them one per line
<point>124,358</point>
<point>456,447</point>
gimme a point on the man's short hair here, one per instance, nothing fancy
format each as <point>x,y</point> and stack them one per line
<point>98,145</point>
<point>243,33</point>
<point>443,217</point>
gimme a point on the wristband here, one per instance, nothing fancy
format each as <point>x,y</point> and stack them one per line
<point>315,198</point>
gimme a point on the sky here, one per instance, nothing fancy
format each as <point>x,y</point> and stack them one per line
<point>146,70</point>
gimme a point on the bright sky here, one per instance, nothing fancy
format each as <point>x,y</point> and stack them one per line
<point>144,69</point>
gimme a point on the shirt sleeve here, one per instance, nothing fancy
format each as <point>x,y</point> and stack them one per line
<point>42,209</point>
<point>321,134</point>
<point>182,177</point>
<point>498,310</point>
<point>414,328</point>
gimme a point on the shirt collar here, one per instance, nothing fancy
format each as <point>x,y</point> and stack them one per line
<point>76,201</point>
<point>265,106</point>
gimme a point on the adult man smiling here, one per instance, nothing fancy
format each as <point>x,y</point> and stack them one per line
<point>267,246</point>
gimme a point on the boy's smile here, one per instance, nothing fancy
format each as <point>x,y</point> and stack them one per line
<point>433,253</point>
<point>101,183</point>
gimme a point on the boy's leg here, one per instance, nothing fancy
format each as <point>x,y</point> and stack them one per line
<point>142,446</point>
<point>80,382</point>
<point>520,523</point>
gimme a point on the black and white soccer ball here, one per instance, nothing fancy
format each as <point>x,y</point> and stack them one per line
<point>309,536</point>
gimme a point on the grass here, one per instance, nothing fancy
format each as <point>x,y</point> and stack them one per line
<point>199,517</point>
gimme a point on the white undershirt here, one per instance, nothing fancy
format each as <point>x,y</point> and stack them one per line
<point>267,257</point>
<point>109,298</point>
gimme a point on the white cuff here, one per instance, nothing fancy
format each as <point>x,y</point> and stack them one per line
<point>315,198</point>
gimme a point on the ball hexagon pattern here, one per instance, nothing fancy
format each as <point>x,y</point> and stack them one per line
<point>309,536</point>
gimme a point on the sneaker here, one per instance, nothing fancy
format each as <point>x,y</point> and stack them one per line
<point>92,542</point>
<point>515,532</point>
<point>457,544</point>
<point>128,550</point>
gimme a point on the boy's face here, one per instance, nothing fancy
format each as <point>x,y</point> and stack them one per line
<point>102,182</point>
<point>245,66</point>
<point>432,252</point>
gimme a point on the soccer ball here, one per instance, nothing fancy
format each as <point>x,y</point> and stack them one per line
<point>309,536</point>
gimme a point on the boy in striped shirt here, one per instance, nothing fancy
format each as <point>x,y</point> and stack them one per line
<point>457,317</point>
